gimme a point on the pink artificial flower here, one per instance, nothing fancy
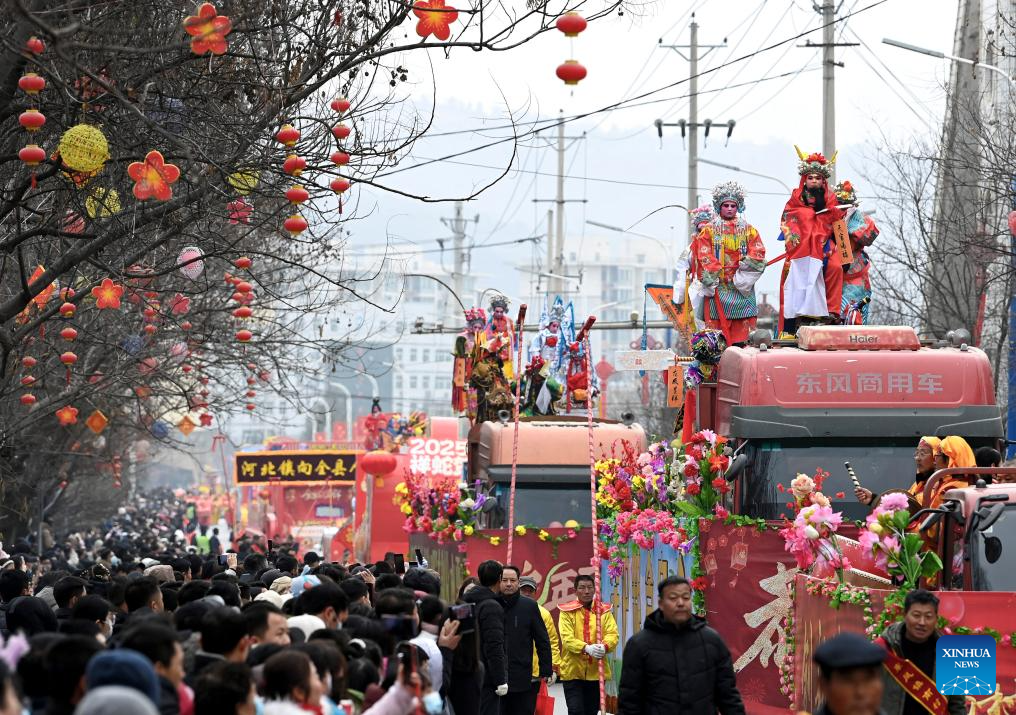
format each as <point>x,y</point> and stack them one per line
<point>720,512</point>
<point>868,540</point>
<point>893,502</point>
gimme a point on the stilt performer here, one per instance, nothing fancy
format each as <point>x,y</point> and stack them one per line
<point>856,282</point>
<point>727,258</point>
<point>812,281</point>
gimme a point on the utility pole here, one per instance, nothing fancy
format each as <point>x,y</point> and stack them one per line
<point>555,240</point>
<point>457,225</point>
<point>692,124</point>
<point>829,64</point>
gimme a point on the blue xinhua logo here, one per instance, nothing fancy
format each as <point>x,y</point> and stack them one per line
<point>965,665</point>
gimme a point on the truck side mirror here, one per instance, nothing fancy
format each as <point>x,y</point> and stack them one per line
<point>737,465</point>
<point>988,514</point>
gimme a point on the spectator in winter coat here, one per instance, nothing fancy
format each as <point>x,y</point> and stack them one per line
<point>677,664</point>
<point>585,640</point>
<point>161,645</point>
<point>489,618</point>
<point>524,630</point>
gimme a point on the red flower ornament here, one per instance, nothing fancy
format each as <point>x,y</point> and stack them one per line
<point>435,18</point>
<point>153,176</point>
<point>67,416</point>
<point>107,294</point>
<point>209,30</point>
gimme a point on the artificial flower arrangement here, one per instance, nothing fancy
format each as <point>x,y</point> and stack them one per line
<point>811,536</point>
<point>449,512</point>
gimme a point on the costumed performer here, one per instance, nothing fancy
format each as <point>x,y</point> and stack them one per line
<point>549,344</point>
<point>727,258</point>
<point>685,283</point>
<point>812,281</point>
<point>499,335</point>
<point>855,304</point>
<point>464,399</point>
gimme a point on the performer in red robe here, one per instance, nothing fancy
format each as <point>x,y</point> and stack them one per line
<point>812,286</point>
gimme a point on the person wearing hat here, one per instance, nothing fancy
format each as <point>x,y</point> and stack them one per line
<point>909,671</point>
<point>850,675</point>
<point>527,587</point>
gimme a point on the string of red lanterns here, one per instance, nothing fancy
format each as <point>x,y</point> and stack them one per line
<point>32,120</point>
<point>571,25</point>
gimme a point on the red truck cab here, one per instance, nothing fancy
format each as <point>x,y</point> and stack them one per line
<point>858,394</point>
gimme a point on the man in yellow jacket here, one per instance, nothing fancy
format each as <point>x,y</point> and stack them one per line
<point>527,587</point>
<point>585,640</point>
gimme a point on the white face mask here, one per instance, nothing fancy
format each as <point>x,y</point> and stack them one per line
<point>432,703</point>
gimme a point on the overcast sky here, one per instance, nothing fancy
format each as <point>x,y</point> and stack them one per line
<point>620,168</point>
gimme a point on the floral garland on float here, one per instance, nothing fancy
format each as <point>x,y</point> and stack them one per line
<point>449,512</point>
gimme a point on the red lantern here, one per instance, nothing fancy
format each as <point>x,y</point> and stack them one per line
<point>294,165</point>
<point>69,333</point>
<point>243,263</point>
<point>33,155</point>
<point>340,184</point>
<point>337,20</point>
<point>27,380</point>
<point>244,287</point>
<point>341,131</point>
<point>1012,222</point>
<point>203,380</point>
<point>571,24</point>
<point>378,462</point>
<point>297,195</point>
<point>186,368</point>
<point>32,83</point>
<point>244,336</point>
<point>251,381</point>
<point>288,135</point>
<point>571,72</point>
<point>340,105</point>
<point>264,376</point>
<point>149,313</point>
<point>32,119</point>
<point>264,494</point>
<point>35,46</point>
<point>150,330</point>
<point>186,325</point>
<point>29,362</point>
<point>68,358</point>
<point>243,312</point>
<point>251,394</point>
<point>339,158</point>
<point>238,297</point>
<point>28,399</point>
<point>295,225</point>
<point>67,310</point>
<point>251,406</point>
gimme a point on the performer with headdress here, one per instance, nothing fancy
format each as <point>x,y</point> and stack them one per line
<point>812,281</point>
<point>464,399</point>
<point>542,389</point>
<point>549,343</point>
<point>856,299</point>
<point>499,335</point>
<point>699,217</point>
<point>727,258</point>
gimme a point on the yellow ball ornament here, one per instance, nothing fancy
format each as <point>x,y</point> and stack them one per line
<point>84,148</point>
<point>102,203</point>
<point>571,524</point>
<point>243,182</point>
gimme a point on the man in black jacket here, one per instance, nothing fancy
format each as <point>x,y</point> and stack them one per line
<point>523,629</point>
<point>489,616</point>
<point>677,664</point>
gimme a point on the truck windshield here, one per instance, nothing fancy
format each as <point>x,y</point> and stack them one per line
<point>539,506</point>
<point>880,465</point>
<point>991,569</point>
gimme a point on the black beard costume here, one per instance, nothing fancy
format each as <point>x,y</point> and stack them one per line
<point>815,198</point>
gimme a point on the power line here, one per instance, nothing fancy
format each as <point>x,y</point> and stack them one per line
<point>618,104</point>
<point>512,242</point>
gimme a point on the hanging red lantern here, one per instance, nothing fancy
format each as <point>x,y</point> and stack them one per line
<point>150,329</point>
<point>340,105</point>
<point>1012,222</point>
<point>571,24</point>
<point>28,399</point>
<point>244,336</point>
<point>251,394</point>
<point>337,20</point>
<point>68,358</point>
<point>32,119</point>
<point>288,135</point>
<point>264,494</point>
<point>29,362</point>
<point>243,312</point>
<point>264,376</point>
<point>27,380</point>
<point>339,158</point>
<point>341,131</point>
<point>243,263</point>
<point>35,46</point>
<point>186,368</point>
<point>149,313</point>
<point>238,297</point>
<point>251,406</point>
<point>340,184</point>
<point>244,287</point>
<point>295,225</point>
<point>69,334</point>
<point>31,83</point>
<point>186,325</point>
<point>297,195</point>
<point>571,72</point>
<point>33,155</point>
<point>378,463</point>
<point>251,381</point>
<point>294,165</point>
<point>67,310</point>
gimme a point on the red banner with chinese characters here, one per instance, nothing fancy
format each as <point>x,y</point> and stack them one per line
<point>748,596</point>
<point>555,577</point>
